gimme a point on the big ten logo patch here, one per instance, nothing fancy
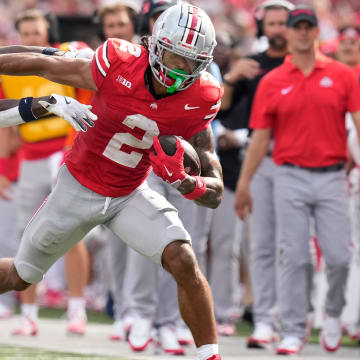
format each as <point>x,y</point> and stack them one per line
<point>120,79</point>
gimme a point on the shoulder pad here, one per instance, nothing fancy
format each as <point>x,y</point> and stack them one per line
<point>123,50</point>
<point>210,88</point>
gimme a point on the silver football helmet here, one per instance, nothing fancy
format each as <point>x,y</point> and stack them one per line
<point>185,30</point>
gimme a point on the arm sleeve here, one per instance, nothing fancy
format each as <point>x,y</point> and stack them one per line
<point>353,103</point>
<point>261,115</point>
<point>207,117</point>
<point>101,62</point>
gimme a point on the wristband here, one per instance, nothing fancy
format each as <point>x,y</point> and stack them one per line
<point>199,191</point>
<point>25,109</point>
<point>4,162</point>
<point>50,51</point>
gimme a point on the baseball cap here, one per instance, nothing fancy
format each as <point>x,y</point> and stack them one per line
<point>302,13</point>
<point>151,7</point>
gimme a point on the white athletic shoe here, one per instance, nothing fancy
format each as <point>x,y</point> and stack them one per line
<point>128,322</point>
<point>140,334</point>
<point>225,329</point>
<point>262,336</point>
<point>27,327</point>
<point>5,311</point>
<point>167,341</point>
<point>331,334</point>
<point>183,335</point>
<point>290,345</point>
<point>353,331</point>
<point>117,332</point>
<point>77,321</point>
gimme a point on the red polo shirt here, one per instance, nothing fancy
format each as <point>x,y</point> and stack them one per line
<point>307,113</point>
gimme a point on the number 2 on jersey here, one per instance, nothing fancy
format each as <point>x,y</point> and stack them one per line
<point>132,159</point>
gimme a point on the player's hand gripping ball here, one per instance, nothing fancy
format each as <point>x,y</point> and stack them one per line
<point>173,158</point>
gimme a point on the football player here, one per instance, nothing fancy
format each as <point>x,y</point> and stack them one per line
<point>141,92</point>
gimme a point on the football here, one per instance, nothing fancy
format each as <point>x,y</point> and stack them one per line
<point>192,164</point>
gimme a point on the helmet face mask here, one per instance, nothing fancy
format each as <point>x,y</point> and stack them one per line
<point>187,31</point>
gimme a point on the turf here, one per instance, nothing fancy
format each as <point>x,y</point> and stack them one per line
<point>244,329</point>
<point>13,353</point>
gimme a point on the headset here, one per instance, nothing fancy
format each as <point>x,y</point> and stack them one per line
<point>99,27</point>
<point>260,12</point>
<point>53,30</point>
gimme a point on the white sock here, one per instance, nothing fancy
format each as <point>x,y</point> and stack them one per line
<point>30,311</point>
<point>206,351</point>
<point>76,304</point>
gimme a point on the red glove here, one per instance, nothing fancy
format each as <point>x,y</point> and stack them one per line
<point>169,168</point>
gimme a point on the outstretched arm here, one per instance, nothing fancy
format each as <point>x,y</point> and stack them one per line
<point>13,49</point>
<point>85,53</point>
<point>73,72</point>
<point>16,112</point>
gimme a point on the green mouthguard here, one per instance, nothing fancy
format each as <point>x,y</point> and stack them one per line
<point>176,75</point>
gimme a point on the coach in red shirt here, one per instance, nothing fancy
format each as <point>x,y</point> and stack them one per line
<point>302,103</point>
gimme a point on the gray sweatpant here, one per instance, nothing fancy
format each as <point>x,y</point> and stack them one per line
<point>9,238</point>
<point>299,194</point>
<point>224,264</point>
<point>263,242</point>
<point>72,210</point>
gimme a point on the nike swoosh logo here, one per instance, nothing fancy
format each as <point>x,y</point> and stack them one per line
<point>187,107</point>
<point>66,100</point>
<point>168,172</point>
<point>286,90</point>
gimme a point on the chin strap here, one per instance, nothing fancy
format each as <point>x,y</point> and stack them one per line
<point>179,80</point>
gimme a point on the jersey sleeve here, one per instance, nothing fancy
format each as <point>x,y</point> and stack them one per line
<point>261,116</point>
<point>208,115</point>
<point>104,56</point>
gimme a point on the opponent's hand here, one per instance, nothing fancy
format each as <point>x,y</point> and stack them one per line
<point>169,168</point>
<point>243,202</point>
<point>5,188</point>
<point>76,114</point>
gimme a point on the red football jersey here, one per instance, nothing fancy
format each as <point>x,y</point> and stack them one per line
<point>112,158</point>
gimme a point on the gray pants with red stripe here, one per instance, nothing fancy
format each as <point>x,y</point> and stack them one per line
<point>299,194</point>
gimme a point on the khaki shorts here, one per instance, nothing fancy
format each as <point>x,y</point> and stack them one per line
<point>144,220</point>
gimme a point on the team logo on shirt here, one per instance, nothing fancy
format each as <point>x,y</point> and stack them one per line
<point>286,90</point>
<point>188,107</point>
<point>154,106</point>
<point>120,79</point>
<point>326,82</point>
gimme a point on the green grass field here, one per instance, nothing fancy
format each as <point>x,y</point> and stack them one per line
<point>11,353</point>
